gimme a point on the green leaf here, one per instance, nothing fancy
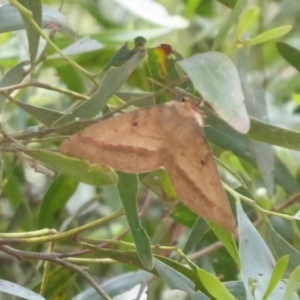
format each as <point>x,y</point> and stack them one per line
<point>176,280</point>
<point>247,20</point>
<point>191,8</point>
<point>238,7</point>
<point>14,76</point>
<point>237,289</point>
<point>228,241</point>
<point>77,168</point>
<point>11,20</point>
<point>290,54</point>
<point>83,45</point>
<point>45,115</point>
<point>110,84</point>
<point>128,188</point>
<point>183,215</point>
<point>18,290</point>
<point>219,133</point>
<point>214,286</point>
<point>216,79</point>
<point>55,199</point>
<point>32,34</point>
<point>277,274</point>
<point>257,108</point>
<point>125,53</point>
<point>281,247</point>
<point>198,231</point>
<point>292,284</point>
<point>274,135</point>
<point>257,260</point>
<point>270,35</point>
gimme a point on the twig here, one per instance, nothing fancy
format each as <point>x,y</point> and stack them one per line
<point>289,202</point>
<point>52,257</point>
<point>63,235</point>
<point>206,250</point>
<point>28,15</point>
<point>45,86</point>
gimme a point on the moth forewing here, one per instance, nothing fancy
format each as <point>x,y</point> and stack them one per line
<point>169,136</point>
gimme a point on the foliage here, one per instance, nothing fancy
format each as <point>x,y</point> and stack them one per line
<point>62,218</point>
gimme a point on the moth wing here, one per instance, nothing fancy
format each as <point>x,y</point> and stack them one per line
<point>129,142</point>
<point>194,175</point>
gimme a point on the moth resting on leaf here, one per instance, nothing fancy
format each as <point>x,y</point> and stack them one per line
<point>169,136</point>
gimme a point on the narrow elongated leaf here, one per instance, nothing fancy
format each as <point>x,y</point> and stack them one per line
<point>270,35</point>
<point>77,168</point>
<point>61,189</point>
<point>214,286</point>
<point>125,53</point>
<point>45,115</point>
<point>247,20</point>
<point>18,290</point>
<point>219,133</point>
<point>238,7</point>
<point>257,108</point>
<point>290,54</point>
<point>176,280</point>
<point>274,135</point>
<point>281,247</point>
<point>216,79</point>
<point>229,243</point>
<point>131,258</point>
<point>11,20</point>
<point>292,285</point>
<point>14,76</point>
<point>237,289</point>
<point>257,260</point>
<point>198,231</point>
<point>277,275</point>
<point>32,34</point>
<point>128,188</point>
<point>83,45</point>
<point>110,84</point>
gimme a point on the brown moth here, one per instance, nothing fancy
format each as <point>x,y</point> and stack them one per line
<point>169,136</point>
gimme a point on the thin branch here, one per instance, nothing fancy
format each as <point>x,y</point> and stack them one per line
<point>206,250</point>
<point>28,15</point>
<point>63,235</point>
<point>294,199</point>
<point>45,86</point>
<point>52,257</point>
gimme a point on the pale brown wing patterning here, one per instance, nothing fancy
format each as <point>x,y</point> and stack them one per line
<point>192,170</point>
<point>168,135</point>
<point>129,142</point>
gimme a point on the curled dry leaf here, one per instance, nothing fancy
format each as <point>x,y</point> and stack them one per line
<point>169,136</point>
